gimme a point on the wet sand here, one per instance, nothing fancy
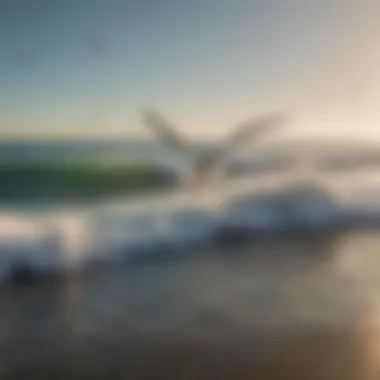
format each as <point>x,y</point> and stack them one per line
<point>302,307</point>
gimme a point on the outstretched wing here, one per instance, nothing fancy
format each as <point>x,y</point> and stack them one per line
<point>253,129</point>
<point>164,131</point>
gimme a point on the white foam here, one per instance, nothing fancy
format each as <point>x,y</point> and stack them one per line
<point>74,240</point>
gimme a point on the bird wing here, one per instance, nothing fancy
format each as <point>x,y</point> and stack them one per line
<point>253,129</point>
<point>164,130</point>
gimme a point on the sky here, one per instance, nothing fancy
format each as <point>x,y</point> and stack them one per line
<point>87,67</point>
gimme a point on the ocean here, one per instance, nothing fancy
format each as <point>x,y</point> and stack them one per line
<point>295,306</point>
<point>60,150</point>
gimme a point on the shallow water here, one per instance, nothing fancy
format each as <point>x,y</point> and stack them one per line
<point>302,307</point>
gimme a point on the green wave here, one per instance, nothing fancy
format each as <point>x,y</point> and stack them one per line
<point>75,179</point>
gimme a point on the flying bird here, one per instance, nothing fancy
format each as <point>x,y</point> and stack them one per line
<point>207,161</point>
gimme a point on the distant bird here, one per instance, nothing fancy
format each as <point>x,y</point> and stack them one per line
<point>208,160</point>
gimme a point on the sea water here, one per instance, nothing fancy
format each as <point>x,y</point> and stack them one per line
<point>57,236</point>
<point>302,306</point>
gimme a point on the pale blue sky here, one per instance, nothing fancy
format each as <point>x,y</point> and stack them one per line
<point>87,66</point>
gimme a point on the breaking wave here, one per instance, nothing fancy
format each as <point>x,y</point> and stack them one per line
<point>61,241</point>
